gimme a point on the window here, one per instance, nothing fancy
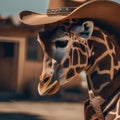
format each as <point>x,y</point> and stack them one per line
<point>6,49</point>
<point>33,49</point>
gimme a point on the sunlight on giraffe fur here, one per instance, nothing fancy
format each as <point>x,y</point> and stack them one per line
<point>76,46</point>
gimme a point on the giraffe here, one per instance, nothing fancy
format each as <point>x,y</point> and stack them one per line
<point>77,45</point>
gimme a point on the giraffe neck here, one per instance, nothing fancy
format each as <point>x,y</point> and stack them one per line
<point>104,63</point>
<point>103,72</point>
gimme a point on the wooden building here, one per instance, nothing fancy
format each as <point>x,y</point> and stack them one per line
<point>20,56</point>
<point>21,61</point>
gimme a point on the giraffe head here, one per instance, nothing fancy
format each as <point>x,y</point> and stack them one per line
<point>65,54</point>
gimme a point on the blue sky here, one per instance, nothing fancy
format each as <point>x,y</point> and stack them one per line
<point>12,7</point>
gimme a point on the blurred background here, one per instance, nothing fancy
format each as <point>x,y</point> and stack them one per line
<point>21,55</point>
<point>20,66</point>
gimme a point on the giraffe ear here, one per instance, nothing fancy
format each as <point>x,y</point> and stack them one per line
<point>86,29</point>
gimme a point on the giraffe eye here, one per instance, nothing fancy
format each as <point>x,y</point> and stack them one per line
<point>61,44</point>
<point>86,26</point>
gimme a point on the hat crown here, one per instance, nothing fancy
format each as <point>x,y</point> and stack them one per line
<point>65,3</point>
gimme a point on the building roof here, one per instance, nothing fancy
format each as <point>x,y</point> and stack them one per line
<point>11,25</point>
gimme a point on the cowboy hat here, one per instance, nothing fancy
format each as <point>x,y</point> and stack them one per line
<point>104,10</point>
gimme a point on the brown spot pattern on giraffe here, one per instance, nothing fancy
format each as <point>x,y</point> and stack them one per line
<point>66,63</point>
<point>70,73</point>
<point>75,57</point>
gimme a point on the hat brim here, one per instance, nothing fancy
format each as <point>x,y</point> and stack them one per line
<point>103,10</point>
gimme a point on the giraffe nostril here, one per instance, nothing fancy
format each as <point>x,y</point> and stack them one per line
<point>46,79</point>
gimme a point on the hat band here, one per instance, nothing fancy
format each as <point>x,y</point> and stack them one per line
<point>60,11</point>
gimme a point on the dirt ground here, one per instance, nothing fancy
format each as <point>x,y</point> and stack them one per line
<point>29,110</point>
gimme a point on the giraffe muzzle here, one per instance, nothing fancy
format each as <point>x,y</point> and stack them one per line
<point>47,86</point>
